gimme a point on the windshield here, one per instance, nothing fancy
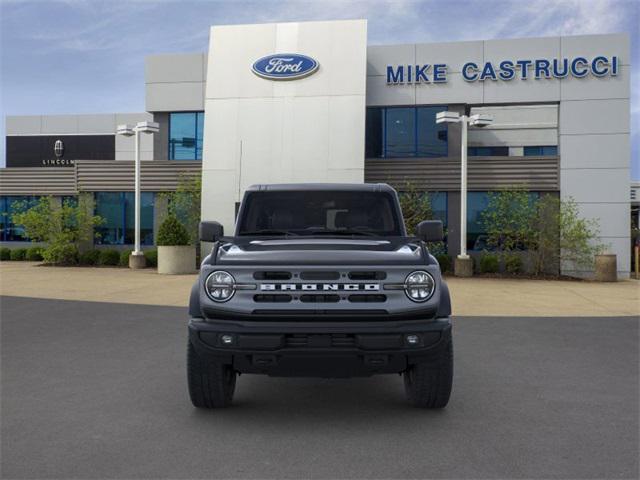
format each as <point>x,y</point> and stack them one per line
<point>319,213</point>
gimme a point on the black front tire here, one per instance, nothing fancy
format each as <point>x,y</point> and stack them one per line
<point>428,384</point>
<point>212,384</point>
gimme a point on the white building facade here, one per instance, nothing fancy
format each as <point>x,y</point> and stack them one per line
<point>330,108</point>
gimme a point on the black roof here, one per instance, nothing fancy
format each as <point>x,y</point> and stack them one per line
<point>341,187</point>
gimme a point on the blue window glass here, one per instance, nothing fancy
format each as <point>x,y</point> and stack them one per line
<point>488,151</point>
<point>405,132</point>
<point>439,206</point>
<point>478,202</point>
<point>117,211</point>
<point>543,151</point>
<point>185,135</point>
<point>432,137</point>
<point>400,129</point>
<point>9,231</point>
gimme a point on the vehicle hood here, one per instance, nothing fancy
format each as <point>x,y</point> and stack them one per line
<point>320,251</point>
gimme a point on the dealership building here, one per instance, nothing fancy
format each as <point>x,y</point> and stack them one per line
<point>312,102</point>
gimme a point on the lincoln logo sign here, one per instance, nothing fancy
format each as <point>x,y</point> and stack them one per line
<point>505,70</point>
<point>285,66</point>
<point>58,148</point>
<point>325,287</point>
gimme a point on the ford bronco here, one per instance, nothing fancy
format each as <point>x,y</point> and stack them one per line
<point>320,280</point>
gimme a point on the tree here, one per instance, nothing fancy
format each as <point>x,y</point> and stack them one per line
<point>508,219</point>
<point>416,207</point>
<point>62,227</point>
<point>184,203</point>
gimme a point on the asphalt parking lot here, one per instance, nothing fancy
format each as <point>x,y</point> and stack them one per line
<point>98,390</point>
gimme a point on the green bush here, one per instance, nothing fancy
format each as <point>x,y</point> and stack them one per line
<point>61,254</point>
<point>34,254</point>
<point>90,257</point>
<point>513,263</point>
<point>172,232</point>
<point>61,227</point>
<point>109,257</point>
<point>445,262</point>
<point>489,263</point>
<point>152,257</point>
<point>124,258</point>
<point>18,254</point>
<point>5,253</point>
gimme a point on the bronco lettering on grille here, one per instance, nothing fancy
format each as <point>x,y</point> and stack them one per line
<point>324,287</point>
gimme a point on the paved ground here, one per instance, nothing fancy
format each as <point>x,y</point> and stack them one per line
<point>95,390</point>
<point>475,296</point>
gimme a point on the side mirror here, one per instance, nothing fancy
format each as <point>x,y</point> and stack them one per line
<point>210,231</point>
<point>430,231</point>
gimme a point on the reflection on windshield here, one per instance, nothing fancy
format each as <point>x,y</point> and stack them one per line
<point>322,213</point>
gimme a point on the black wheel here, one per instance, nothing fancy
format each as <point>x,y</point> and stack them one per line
<point>428,384</point>
<point>211,385</point>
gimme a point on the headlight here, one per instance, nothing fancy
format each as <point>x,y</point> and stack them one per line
<point>419,286</point>
<point>220,286</point>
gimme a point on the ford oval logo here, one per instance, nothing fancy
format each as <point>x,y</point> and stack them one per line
<point>285,66</point>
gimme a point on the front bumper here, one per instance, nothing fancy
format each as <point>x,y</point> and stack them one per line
<point>319,349</point>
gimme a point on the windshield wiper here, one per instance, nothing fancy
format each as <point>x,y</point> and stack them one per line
<point>268,232</point>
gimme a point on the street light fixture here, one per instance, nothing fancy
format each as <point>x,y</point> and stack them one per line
<point>136,259</point>
<point>463,265</point>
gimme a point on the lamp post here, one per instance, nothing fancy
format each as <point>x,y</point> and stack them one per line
<point>463,263</point>
<point>136,259</point>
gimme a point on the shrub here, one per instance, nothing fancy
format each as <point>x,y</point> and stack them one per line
<point>489,263</point>
<point>109,257</point>
<point>172,232</point>
<point>90,257</point>
<point>18,254</point>
<point>185,202</point>
<point>152,257</point>
<point>445,262</point>
<point>124,258</point>
<point>5,253</point>
<point>513,263</point>
<point>62,227</point>
<point>57,254</point>
<point>34,254</point>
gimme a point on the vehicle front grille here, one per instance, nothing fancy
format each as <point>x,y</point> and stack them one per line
<point>320,341</point>
<point>320,298</point>
<point>367,298</point>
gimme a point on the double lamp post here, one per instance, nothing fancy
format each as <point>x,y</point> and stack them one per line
<point>136,259</point>
<point>463,263</point>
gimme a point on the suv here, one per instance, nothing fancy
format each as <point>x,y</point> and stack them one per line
<point>320,280</point>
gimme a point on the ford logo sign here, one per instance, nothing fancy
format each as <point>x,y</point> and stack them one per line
<point>285,66</point>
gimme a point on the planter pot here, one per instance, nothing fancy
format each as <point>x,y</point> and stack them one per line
<point>176,260</point>
<point>606,268</point>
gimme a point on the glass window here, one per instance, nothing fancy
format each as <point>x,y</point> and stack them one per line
<point>439,206</point>
<point>543,151</point>
<point>400,127</point>
<point>117,211</point>
<point>9,205</point>
<point>185,135</point>
<point>374,132</point>
<point>405,132</point>
<point>432,137</point>
<point>488,151</point>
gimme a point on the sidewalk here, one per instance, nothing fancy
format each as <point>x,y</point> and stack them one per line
<point>470,296</point>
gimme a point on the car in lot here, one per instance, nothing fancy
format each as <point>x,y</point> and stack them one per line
<point>320,280</point>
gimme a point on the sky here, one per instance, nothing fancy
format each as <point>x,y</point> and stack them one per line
<point>87,56</point>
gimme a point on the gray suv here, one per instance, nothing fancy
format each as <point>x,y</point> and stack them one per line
<point>320,280</point>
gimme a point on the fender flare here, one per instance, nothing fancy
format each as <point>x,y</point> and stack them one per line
<point>444,307</point>
<point>194,301</point>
